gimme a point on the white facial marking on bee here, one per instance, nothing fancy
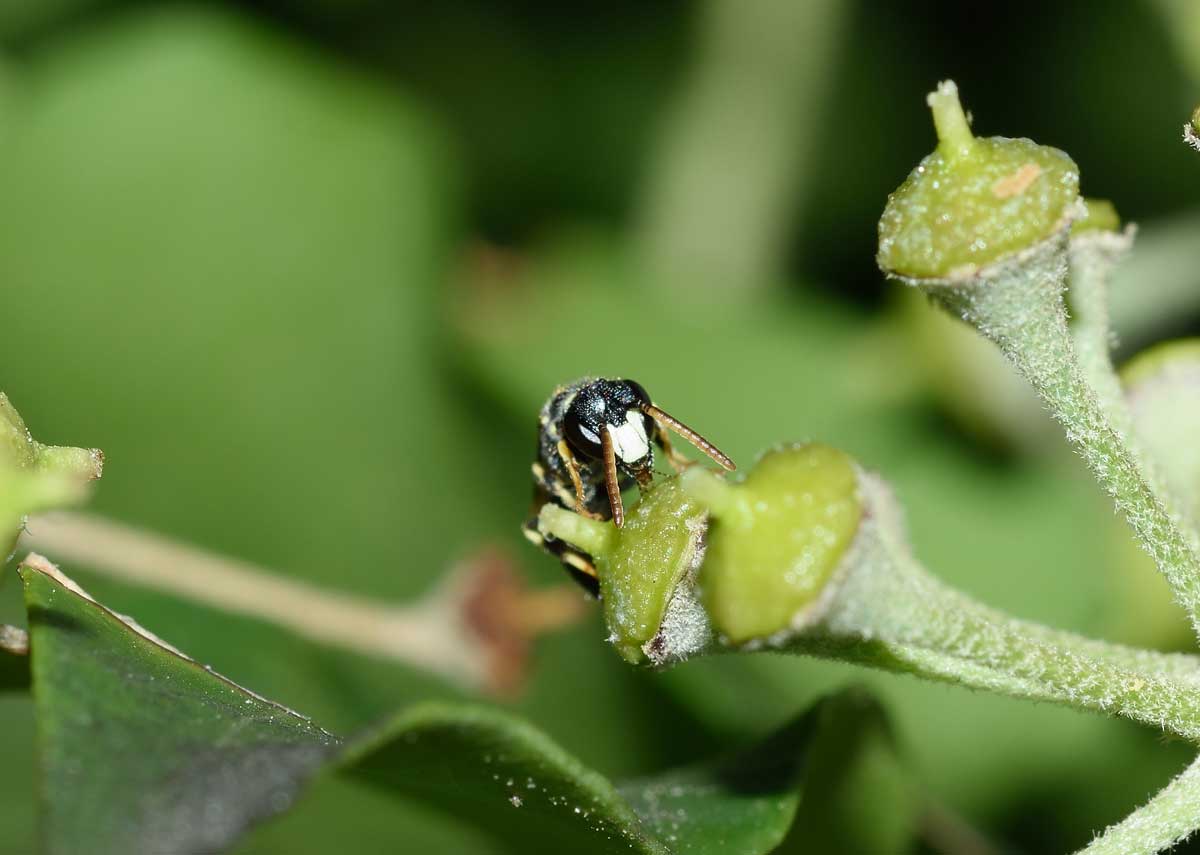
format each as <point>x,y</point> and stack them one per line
<point>629,440</point>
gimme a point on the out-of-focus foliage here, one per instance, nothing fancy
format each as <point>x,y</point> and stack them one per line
<point>306,270</point>
<point>144,750</point>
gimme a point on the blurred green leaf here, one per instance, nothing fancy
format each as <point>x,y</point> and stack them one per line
<point>229,246</point>
<point>241,244</point>
<point>735,149</point>
<point>1162,389</point>
<point>1182,23</point>
<point>588,290</point>
<point>241,241</point>
<point>955,363</point>
<point>866,801</point>
<point>1156,285</point>
<point>259,233</point>
<point>145,750</point>
<point>14,658</point>
<point>19,19</point>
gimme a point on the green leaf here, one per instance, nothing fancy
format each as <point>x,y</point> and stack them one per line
<point>145,750</point>
<point>500,773</point>
<point>496,771</point>
<point>520,786</point>
<point>142,749</point>
<point>748,803</point>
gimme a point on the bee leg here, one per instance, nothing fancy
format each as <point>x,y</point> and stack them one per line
<point>579,565</point>
<point>564,451</point>
<point>547,489</point>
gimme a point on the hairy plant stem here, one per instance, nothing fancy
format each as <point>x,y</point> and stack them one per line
<point>890,613</point>
<point>1018,305</point>
<point>1168,818</point>
<point>1093,255</point>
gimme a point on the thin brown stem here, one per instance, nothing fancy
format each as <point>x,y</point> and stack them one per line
<point>461,630</point>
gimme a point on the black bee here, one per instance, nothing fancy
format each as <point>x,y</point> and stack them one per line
<point>596,437</point>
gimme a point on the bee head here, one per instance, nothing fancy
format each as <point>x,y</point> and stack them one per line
<point>616,409</point>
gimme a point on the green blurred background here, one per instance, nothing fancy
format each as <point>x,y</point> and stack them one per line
<point>306,269</point>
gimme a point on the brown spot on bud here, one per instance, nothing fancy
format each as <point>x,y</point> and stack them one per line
<point>1017,183</point>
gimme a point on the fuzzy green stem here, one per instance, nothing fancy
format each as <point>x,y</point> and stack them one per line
<point>890,613</point>
<point>1168,818</point>
<point>592,536</point>
<point>808,554</point>
<point>1018,305</point>
<point>1093,255</point>
<point>955,139</point>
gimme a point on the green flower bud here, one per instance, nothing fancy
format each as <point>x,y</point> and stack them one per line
<point>973,201</point>
<point>776,539</point>
<point>759,568</point>
<point>641,565</point>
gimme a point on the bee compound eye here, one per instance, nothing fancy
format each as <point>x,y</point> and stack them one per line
<point>582,439</point>
<point>639,392</point>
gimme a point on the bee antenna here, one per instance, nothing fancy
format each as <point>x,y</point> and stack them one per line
<point>663,417</point>
<point>610,479</point>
